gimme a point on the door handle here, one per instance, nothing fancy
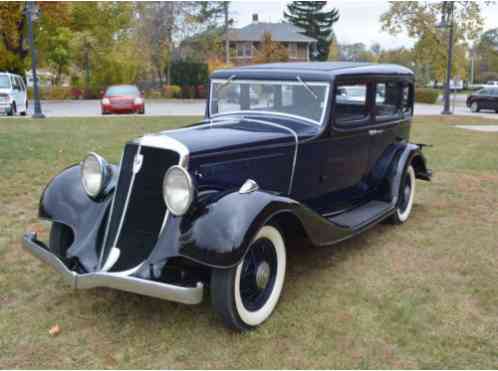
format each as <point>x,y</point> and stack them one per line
<point>375,132</point>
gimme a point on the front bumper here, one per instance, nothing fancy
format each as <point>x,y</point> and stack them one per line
<point>181,294</point>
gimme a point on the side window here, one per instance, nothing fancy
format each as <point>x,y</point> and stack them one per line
<point>15,83</point>
<point>22,87</point>
<point>351,104</point>
<point>407,99</point>
<point>388,98</point>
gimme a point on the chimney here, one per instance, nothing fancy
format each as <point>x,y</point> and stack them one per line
<point>255,18</point>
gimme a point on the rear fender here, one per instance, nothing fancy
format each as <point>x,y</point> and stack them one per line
<point>409,154</point>
<point>65,201</point>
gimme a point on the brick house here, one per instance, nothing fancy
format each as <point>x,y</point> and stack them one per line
<point>245,41</point>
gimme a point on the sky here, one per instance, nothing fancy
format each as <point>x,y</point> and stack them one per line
<point>359,19</point>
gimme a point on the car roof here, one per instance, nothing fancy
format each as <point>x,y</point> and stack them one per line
<point>312,70</point>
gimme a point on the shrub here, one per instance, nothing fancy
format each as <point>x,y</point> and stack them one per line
<point>188,73</point>
<point>188,92</point>
<point>424,95</point>
<point>172,91</point>
<point>201,91</point>
<point>57,93</point>
<point>76,93</point>
<point>153,94</point>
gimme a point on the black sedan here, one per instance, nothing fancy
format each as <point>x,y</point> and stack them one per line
<point>486,98</point>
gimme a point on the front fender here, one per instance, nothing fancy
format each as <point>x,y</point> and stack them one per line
<point>218,233</point>
<point>65,201</point>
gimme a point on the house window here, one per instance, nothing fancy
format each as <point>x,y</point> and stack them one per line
<point>244,50</point>
<point>292,48</point>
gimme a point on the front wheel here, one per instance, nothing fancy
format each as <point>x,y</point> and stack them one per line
<point>246,295</point>
<point>405,198</point>
<point>474,107</point>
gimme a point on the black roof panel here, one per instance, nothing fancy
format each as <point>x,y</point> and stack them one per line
<point>312,70</point>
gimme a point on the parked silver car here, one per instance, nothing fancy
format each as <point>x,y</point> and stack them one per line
<point>13,94</point>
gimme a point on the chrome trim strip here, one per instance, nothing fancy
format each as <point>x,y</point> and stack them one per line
<point>180,294</point>
<point>125,209</point>
<point>286,82</point>
<point>106,234</point>
<point>296,138</point>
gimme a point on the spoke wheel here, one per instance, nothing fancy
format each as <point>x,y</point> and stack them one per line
<point>406,197</point>
<point>246,295</point>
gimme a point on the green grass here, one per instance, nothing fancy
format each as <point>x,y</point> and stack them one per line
<point>421,295</point>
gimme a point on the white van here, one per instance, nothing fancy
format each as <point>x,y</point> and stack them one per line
<point>13,94</point>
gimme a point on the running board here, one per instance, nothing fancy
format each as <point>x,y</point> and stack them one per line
<point>360,217</point>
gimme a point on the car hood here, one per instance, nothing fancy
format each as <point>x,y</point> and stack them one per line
<point>5,91</point>
<point>235,135</point>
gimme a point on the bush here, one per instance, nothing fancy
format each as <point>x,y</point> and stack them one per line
<point>153,94</point>
<point>188,73</point>
<point>188,92</point>
<point>424,95</point>
<point>201,91</point>
<point>172,91</point>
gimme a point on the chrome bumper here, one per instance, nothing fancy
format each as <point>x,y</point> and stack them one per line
<point>186,295</point>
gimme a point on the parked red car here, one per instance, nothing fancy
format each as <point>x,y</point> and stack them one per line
<point>122,99</point>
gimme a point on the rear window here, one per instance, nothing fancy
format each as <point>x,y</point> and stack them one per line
<point>4,82</point>
<point>122,90</point>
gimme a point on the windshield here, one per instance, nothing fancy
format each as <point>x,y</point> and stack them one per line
<point>122,90</point>
<point>4,82</point>
<point>306,100</point>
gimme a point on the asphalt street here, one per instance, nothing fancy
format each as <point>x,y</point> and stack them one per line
<point>162,107</point>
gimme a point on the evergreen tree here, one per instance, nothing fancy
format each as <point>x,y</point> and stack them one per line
<point>317,23</point>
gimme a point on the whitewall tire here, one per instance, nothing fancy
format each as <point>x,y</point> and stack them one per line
<point>246,295</point>
<point>406,197</point>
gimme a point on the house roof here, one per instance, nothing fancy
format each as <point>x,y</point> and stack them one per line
<point>318,71</point>
<point>280,32</point>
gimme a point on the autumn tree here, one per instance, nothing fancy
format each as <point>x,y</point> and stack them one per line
<point>419,20</point>
<point>317,23</point>
<point>334,52</point>
<point>270,51</point>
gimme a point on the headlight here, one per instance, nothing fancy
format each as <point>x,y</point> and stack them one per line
<point>138,100</point>
<point>106,101</point>
<point>94,174</point>
<point>178,190</point>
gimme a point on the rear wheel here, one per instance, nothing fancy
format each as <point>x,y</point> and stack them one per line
<point>61,237</point>
<point>13,110</point>
<point>246,295</point>
<point>474,107</point>
<point>406,197</point>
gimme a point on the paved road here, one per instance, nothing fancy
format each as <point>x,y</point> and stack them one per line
<point>158,107</point>
<point>153,107</point>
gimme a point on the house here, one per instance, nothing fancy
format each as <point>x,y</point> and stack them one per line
<point>245,41</point>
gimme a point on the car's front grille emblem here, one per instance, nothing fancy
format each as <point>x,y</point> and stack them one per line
<point>137,163</point>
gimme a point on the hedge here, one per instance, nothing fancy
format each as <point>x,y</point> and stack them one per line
<point>187,73</point>
<point>423,95</point>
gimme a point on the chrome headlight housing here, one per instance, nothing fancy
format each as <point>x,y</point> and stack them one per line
<point>95,174</point>
<point>178,190</point>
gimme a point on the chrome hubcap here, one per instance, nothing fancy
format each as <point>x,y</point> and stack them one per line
<point>262,275</point>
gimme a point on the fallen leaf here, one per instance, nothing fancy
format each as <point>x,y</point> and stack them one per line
<point>54,330</point>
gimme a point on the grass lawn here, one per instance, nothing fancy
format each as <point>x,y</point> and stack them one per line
<point>421,295</point>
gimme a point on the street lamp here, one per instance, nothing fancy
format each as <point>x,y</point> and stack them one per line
<point>447,21</point>
<point>32,13</point>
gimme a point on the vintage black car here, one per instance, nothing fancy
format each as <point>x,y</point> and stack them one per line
<point>484,99</point>
<point>313,150</point>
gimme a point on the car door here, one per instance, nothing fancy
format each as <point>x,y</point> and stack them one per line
<point>16,91</point>
<point>343,149</point>
<point>494,100</point>
<point>22,94</point>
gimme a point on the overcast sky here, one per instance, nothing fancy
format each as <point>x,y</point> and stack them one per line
<point>359,21</point>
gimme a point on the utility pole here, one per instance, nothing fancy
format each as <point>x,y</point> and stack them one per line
<point>227,40</point>
<point>30,12</point>
<point>449,8</point>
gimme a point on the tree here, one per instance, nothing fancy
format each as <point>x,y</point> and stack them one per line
<point>486,52</point>
<point>317,23</point>
<point>13,29</point>
<point>419,20</point>
<point>334,52</point>
<point>270,51</point>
